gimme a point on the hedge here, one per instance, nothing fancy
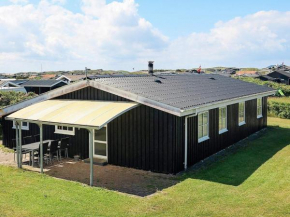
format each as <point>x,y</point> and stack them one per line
<point>279,109</point>
<point>285,88</point>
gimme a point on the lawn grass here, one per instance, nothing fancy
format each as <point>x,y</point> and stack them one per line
<point>252,182</point>
<point>279,99</point>
<point>4,149</point>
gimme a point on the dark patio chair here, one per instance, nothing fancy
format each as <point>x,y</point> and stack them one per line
<point>53,149</point>
<point>64,147</point>
<point>36,138</point>
<point>15,150</point>
<point>45,153</point>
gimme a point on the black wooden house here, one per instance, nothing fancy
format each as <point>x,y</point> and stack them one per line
<point>177,120</point>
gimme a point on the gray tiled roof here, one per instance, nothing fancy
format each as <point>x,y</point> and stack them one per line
<point>19,82</point>
<point>185,91</point>
<point>41,83</point>
<point>282,72</point>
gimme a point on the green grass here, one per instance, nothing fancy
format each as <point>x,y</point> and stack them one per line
<point>279,99</point>
<point>252,182</point>
<point>4,149</point>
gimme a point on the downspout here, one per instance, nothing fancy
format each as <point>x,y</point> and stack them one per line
<point>185,140</point>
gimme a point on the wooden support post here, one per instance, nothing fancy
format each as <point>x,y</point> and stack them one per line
<point>91,153</point>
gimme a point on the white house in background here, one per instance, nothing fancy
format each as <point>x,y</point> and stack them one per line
<point>10,86</point>
<point>4,78</point>
<point>72,78</point>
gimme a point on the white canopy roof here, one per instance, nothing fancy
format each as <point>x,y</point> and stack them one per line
<point>81,113</point>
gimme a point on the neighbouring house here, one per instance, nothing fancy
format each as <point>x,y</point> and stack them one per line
<point>268,78</point>
<point>47,76</point>
<point>11,86</point>
<point>42,86</point>
<point>5,78</point>
<point>160,123</point>
<point>71,78</point>
<point>230,71</point>
<point>254,74</point>
<point>279,76</point>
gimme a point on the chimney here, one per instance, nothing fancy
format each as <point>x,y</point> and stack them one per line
<point>150,67</point>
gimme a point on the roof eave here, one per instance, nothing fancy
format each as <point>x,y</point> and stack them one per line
<point>223,103</point>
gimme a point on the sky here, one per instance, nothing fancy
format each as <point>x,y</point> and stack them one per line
<point>125,34</point>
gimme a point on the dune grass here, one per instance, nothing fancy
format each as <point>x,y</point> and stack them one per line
<point>252,182</point>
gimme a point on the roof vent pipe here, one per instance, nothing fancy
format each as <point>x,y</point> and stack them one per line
<point>150,67</point>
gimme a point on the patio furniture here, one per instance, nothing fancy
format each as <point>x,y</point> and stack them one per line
<point>27,140</point>
<point>64,147</point>
<point>46,156</point>
<point>32,148</point>
<point>53,149</point>
<point>36,138</point>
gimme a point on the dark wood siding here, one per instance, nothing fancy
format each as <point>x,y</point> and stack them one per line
<point>149,139</point>
<point>143,138</point>
<point>199,151</point>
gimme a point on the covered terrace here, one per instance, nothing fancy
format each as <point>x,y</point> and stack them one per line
<point>89,115</point>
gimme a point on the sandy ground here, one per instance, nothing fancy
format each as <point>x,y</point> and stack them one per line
<point>122,179</point>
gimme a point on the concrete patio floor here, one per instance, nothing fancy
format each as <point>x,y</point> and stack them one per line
<point>122,179</point>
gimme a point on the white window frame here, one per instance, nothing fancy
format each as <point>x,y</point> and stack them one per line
<point>226,119</point>
<point>244,121</point>
<point>103,142</point>
<point>65,132</point>
<point>260,115</point>
<point>22,127</point>
<point>204,138</point>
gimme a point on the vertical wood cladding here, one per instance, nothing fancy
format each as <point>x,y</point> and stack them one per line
<point>143,138</point>
<point>199,151</point>
<point>149,139</point>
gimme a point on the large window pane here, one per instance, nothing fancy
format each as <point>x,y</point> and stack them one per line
<point>100,149</point>
<point>199,119</point>
<point>202,125</point>
<point>200,132</point>
<point>205,130</point>
<point>100,135</point>
<point>205,118</point>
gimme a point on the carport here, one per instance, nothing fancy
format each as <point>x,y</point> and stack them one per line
<point>89,115</point>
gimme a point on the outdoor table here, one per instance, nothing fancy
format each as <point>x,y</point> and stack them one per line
<point>34,147</point>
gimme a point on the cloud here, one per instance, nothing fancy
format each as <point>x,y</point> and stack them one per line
<point>19,1</point>
<point>259,39</point>
<point>114,36</point>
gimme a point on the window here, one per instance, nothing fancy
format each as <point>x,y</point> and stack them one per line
<point>242,113</point>
<point>100,143</point>
<point>203,126</point>
<point>223,120</point>
<point>64,130</point>
<point>24,125</point>
<point>259,108</point>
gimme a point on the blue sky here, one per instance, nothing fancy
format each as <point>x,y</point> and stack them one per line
<point>176,34</point>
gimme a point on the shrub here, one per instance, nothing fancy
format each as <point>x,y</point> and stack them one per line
<point>11,97</point>
<point>279,109</point>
